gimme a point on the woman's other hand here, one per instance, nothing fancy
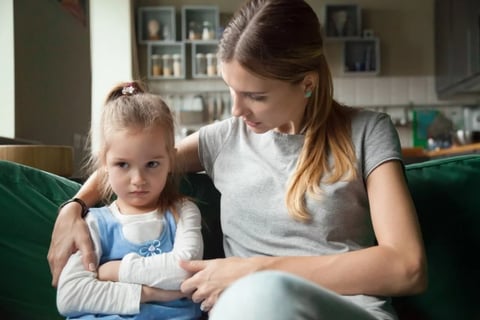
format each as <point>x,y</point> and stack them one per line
<point>70,234</point>
<point>211,277</point>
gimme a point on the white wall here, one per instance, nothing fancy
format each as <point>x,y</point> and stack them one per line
<point>111,48</point>
<point>7,76</point>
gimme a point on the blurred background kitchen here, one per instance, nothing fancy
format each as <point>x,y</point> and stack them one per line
<point>418,61</point>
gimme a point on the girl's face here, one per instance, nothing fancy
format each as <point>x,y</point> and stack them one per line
<point>265,104</point>
<point>137,164</point>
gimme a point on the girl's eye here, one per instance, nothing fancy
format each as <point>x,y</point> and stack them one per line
<point>123,165</point>
<point>153,164</point>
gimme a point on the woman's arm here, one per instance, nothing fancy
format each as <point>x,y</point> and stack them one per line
<point>396,266</point>
<point>187,153</point>
<point>162,270</point>
<point>70,232</point>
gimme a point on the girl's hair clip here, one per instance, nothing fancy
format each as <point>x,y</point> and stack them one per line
<point>129,89</point>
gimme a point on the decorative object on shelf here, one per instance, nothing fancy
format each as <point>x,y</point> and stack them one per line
<point>156,24</point>
<point>342,20</point>
<point>153,29</point>
<point>339,22</point>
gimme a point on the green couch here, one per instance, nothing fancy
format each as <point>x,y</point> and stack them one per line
<point>446,193</point>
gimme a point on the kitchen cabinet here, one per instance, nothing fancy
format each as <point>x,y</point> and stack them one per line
<point>457,47</point>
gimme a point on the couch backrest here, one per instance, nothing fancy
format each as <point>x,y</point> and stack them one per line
<point>446,193</point>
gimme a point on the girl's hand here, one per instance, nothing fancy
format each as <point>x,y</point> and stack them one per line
<point>109,271</point>
<point>150,294</point>
<point>70,234</point>
<point>211,277</point>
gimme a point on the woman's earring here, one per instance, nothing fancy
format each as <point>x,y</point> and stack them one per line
<point>308,94</point>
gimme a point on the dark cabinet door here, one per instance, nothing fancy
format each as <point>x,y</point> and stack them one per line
<point>457,46</point>
<point>460,40</point>
<point>443,44</point>
<point>474,37</point>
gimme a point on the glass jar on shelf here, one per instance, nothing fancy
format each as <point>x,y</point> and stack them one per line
<point>177,65</point>
<point>201,64</point>
<point>167,65</point>
<point>211,64</point>
<point>156,65</point>
<point>193,32</point>
<point>207,32</point>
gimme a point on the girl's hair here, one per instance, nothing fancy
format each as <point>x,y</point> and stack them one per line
<point>282,39</point>
<point>129,107</point>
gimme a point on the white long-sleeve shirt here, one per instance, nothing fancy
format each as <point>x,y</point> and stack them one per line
<point>79,291</point>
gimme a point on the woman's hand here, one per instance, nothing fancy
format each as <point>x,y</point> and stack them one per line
<point>70,234</point>
<point>211,277</point>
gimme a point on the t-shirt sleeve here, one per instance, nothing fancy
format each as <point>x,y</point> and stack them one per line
<point>211,140</point>
<point>380,144</point>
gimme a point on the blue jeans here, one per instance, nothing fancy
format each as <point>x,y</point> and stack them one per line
<point>282,296</point>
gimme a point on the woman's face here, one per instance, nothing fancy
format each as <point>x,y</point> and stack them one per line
<point>265,104</point>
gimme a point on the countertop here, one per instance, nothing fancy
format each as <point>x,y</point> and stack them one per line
<point>418,154</point>
<point>460,149</point>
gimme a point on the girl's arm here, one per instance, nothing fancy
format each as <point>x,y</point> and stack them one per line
<point>79,291</point>
<point>162,270</point>
<point>70,232</point>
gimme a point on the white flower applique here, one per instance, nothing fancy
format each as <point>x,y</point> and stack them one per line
<point>151,249</point>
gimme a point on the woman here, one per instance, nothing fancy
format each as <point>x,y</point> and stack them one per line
<point>313,192</point>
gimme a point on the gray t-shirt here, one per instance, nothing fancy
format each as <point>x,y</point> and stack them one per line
<point>251,171</point>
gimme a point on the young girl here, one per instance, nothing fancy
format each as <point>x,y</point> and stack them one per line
<point>135,161</point>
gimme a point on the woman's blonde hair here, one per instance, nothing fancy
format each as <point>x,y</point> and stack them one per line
<point>282,39</point>
<point>129,107</point>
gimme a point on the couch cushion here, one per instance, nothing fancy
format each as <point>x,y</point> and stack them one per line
<point>28,202</point>
<point>446,193</point>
